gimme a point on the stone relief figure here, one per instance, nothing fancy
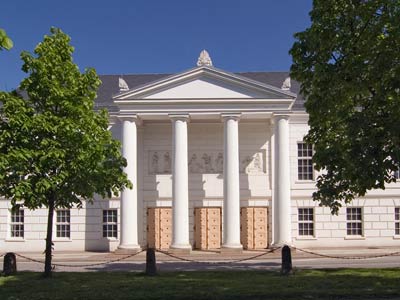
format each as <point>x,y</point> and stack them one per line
<point>207,163</point>
<point>167,163</point>
<point>219,163</point>
<point>154,163</point>
<point>246,164</point>
<point>193,164</point>
<point>258,163</point>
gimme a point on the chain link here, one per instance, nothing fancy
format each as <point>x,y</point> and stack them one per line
<point>397,253</point>
<point>82,265</point>
<point>346,257</point>
<point>216,262</point>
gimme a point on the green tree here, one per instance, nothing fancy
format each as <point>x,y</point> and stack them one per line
<point>5,41</point>
<point>348,64</point>
<point>55,150</point>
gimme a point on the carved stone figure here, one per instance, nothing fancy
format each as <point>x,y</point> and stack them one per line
<point>219,163</point>
<point>286,85</point>
<point>246,164</point>
<point>123,86</point>
<point>204,59</point>
<point>154,163</point>
<point>167,163</point>
<point>207,163</point>
<point>193,164</point>
<point>258,162</point>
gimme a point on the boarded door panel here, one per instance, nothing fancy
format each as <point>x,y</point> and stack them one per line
<point>159,227</point>
<point>207,228</point>
<point>253,227</point>
<point>165,227</point>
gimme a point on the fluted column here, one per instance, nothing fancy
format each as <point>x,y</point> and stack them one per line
<point>129,226</point>
<point>180,186</point>
<point>231,213</point>
<point>282,210</point>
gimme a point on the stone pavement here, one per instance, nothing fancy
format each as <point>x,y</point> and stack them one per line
<point>214,260</point>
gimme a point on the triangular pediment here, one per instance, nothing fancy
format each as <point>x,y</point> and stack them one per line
<point>205,83</point>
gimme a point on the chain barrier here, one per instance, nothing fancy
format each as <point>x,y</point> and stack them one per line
<point>346,257</point>
<point>216,262</point>
<point>81,265</point>
<point>397,253</point>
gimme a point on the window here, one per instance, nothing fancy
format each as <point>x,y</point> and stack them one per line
<point>17,223</point>
<point>397,221</point>
<point>354,221</point>
<point>110,227</point>
<point>396,174</point>
<point>305,168</point>
<point>63,223</point>
<point>306,221</point>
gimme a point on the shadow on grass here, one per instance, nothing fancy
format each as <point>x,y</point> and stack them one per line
<point>186,266</point>
<point>304,284</point>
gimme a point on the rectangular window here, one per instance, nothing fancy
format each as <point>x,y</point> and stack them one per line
<point>110,227</point>
<point>354,221</point>
<point>397,220</point>
<point>305,170</point>
<point>63,223</point>
<point>17,223</point>
<point>306,221</point>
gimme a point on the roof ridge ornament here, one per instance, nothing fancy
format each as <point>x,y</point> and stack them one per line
<point>286,85</point>
<point>123,86</point>
<point>204,59</point>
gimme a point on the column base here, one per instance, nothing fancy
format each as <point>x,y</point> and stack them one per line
<point>180,249</point>
<point>232,249</point>
<point>127,249</point>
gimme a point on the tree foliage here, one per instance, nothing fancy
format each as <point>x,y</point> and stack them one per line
<point>5,41</point>
<point>55,150</point>
<point>348,64</point>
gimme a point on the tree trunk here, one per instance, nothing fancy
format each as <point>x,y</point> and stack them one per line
<point>49,238</point>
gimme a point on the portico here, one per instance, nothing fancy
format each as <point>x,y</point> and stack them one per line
<point>183,103</point>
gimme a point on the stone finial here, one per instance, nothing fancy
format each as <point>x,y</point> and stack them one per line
<point>286,84</point>
<point>123,86</point>
<point>204,59</point>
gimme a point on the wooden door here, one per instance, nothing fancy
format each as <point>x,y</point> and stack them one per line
<point>254,227</point>
<point>159,227</point>
<point>207,230</point>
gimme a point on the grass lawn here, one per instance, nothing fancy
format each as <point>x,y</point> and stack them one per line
<point>304,284</point>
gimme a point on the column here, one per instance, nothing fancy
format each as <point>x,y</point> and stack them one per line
<point>129,228</point>
<point>231,213</point>
<point>282,210</point>
<point>180,185</point>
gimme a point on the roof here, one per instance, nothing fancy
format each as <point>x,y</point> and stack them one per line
<point>110,87</point>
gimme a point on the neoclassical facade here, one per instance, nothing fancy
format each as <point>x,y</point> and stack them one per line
<point>217,161</point>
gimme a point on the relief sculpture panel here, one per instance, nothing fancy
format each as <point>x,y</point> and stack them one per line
<point>206,162</point>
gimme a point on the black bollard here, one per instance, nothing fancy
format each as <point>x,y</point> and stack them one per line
<point>151,266</point>
<point>286,260</point>
<point>10,264</point>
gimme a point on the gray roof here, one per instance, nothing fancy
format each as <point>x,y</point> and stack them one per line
<point>109,86</point>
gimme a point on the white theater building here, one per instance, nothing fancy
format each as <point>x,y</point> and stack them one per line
<point>217,160</point>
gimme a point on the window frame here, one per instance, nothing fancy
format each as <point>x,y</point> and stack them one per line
<point>302,221</point>
<point>106,224</point>
<point>397,221</point>
<point>19,223</point>
<point>62,226</point>
<point>303,169</point>
<point>352,219</point>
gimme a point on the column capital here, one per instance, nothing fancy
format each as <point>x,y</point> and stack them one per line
<point>132,118</point>
<point>179,117</point>
<point>279,116</point>
<point>231,116</point>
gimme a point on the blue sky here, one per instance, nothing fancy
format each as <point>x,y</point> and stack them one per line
<point>157,36</point>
